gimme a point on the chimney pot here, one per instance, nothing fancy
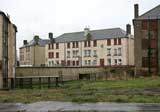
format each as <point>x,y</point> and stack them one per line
<point>24,42</point>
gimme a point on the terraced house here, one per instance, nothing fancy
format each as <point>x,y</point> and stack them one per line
<point>32,53</point>
<point>7,50</point>
<point>147,40</point>
<point>105,47</point>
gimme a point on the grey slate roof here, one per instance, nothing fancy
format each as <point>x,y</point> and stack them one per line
<point>41,42</point>
<point>151,14</point>
<point>95,35</point>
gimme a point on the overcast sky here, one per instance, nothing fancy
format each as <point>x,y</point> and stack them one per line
<point>38,17</point>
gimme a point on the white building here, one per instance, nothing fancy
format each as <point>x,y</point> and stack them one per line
<point>105,47</point>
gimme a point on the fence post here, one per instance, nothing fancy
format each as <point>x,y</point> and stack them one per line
<point>40,82</point>
<point>56,81</point>
<point>49,82</point>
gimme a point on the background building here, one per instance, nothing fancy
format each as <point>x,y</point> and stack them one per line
<point>106,47</point>
<point>147,40</point>
<point>7,50</point>
<point>33,53</point>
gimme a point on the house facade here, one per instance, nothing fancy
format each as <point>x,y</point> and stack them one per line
<point>147,40</point>
<point>106,47</point>
<point>33,53</point>
<point>7,50</point>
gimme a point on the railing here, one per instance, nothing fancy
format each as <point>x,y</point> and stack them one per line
<point>34,82</point>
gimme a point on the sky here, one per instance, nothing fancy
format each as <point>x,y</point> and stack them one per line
<point>39,17</point>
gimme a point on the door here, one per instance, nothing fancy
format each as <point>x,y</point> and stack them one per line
<point>101,62</point>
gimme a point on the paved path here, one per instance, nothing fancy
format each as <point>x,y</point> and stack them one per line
<point>69,106</point>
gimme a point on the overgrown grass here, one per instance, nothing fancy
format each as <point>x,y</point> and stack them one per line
<point>143,90</point>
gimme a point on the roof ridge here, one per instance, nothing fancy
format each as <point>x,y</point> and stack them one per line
<point>94,30</point>
<point>149,11</point>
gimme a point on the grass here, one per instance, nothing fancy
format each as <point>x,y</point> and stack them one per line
<point>141,90</point>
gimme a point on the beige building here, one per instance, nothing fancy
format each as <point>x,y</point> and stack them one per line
<point>7,50</point>
<point>106,47</point>
<point>33,53</point>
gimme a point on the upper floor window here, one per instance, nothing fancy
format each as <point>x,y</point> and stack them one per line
<point>109,61</point>
<point>87,53</point>
<point>94,53</point>
<point>119,61</point>
<point>68,45</point>
<point>115,41</point>
<point>89,43</point>
<point>68,54</point>
<point>49,46</point>
<point>57,45</point>
<point>115,61</point>
<point>95,43</point>
<point>94,62</point>
<point>108,42</point>
<point>77,45</point>
<point>73,44</point>
<point>115,52</point>
<point>57,54</point>
<point>119,51</point>
<point>119,41</point>
<point>108,51</point>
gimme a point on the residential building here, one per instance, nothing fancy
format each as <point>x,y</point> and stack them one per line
<point>147,40</point>
<point>7,50</point>
<point>33,53</point>
<point>105,47</point>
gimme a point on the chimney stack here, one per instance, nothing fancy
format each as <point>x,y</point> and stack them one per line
<point>50,35</point>
<point>136,11</point>
<point>86,31</point>
<point>25,42</point>
<point>128,29</point>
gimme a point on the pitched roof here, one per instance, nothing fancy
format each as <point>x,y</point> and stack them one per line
<point>151,14</point>
<point>95,35</point>
<point>41,42</point>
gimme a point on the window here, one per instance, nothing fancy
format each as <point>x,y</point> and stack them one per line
<point>52,55</point>
<point>57,62</point>
<point>115,61</point>
<point>87,53</point>
<point>115,41</point>
<point>89,62</point>
<point>73,63</point>
<point>119,41</point>
<point>68,45</point>
<point>49,47</point>
<point>95,43</point>
<point>57,54</point>
<point>119,51</point>
<point>68,54</point>
<point>68,63</point>
<point>95,53</point>
<point>89,43</point>
<point>52,46</point>
<point>85,62</point>
<point>57,45</point>
<point>27,49</point>
<point>115,52</point>
<point>119,62</point>
<point>52,63</point>
<point>77,63</point>
<point>76,44</point>
<point>73,44</point>
<point>94,62</point>
<point>108,51</point>
<point>85,43</point>
<point>108,42</point>
<point>109,61</point>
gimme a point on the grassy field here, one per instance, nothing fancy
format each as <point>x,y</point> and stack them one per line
<point>142,90</point>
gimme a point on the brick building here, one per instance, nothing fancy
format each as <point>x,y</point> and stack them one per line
<point>147,40</point>
<point>106,47</point>
<point>7,50</point>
